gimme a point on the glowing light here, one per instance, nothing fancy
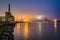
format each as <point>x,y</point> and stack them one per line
<point>26,20</point>
<point>23,18</point>
<point>55,24</point>
<point>39,17</point>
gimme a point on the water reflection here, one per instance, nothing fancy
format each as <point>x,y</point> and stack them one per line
<point>39,28</point>
<point>36,30</point>
<point>21,31</point>
<point>17,31</point>
<point>26,31</point>
<point>55,25</point>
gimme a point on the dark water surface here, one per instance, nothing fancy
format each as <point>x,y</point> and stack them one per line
<point>37,31</point>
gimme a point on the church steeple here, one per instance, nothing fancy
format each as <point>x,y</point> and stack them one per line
<point>9,8</point>
<point>8,14</point>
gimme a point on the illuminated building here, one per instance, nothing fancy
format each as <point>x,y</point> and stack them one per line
<point>7,28</point>
<point>2,18</point>
<point>8,16</point>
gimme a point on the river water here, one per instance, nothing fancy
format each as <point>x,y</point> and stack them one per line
<point>37,31</point>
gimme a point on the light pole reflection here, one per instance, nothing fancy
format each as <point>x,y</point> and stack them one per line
<point>26,31</point>
<point>55,25</point>
<point>39,28</point>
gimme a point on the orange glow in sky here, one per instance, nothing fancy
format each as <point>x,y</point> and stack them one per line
<point>23,18</point>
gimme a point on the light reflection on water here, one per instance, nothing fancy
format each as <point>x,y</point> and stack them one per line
<point>55,25</point>
<point>26,31</point>
<point>34,30</point>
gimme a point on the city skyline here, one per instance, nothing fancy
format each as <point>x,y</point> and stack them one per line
<point>29,20</point>
<point>35,8</point>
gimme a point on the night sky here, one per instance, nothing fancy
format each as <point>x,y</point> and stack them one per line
<point>47,8</point>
